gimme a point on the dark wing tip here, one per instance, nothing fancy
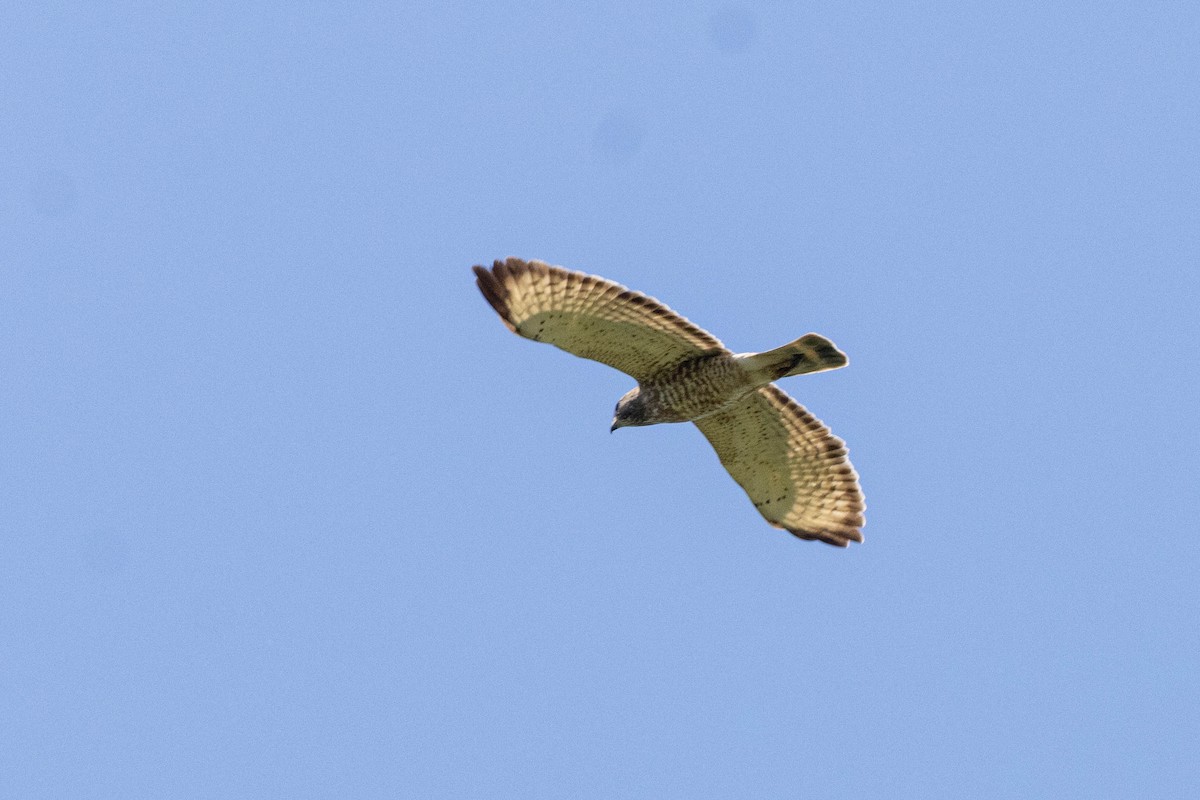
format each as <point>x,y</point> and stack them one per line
<point>835,538</point>
<point>493,290</point>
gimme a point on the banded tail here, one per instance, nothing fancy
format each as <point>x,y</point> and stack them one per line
<point>809,353</point>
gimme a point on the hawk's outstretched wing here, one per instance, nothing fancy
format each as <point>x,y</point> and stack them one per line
<point>795,471</point>
<point>591,317</point>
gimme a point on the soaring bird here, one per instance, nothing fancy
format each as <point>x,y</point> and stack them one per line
<point>795,471</point>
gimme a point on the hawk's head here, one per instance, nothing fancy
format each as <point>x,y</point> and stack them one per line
<point>631,410</point>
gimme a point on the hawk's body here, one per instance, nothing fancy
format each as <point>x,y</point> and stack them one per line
<point>695,388</point>
<point>794,470</point>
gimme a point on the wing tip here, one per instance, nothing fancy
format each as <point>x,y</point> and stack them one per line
<point>837,538</point>
<point>491,286</point>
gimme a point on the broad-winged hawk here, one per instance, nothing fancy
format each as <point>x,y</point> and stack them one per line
<point>794,470</point>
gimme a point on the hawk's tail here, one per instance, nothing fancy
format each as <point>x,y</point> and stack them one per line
<point>809,353</point>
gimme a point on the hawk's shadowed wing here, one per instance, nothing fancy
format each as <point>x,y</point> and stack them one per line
<point>591,317</point>
<point>795,471</point>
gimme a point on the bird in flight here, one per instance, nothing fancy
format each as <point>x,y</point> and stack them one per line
<point>795,471</point>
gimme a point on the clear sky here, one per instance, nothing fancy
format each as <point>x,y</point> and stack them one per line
<point>286,512</point>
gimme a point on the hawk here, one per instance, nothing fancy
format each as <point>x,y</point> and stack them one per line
<point>795,471</point>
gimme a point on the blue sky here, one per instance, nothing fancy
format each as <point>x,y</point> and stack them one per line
<point>286,512</point>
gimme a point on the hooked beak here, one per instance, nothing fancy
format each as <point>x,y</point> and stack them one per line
<point>614,426</point>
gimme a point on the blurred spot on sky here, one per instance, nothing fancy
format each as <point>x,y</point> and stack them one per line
<point>619,135</point>
<point>52,193</point>
<point>105,551</point>
<point>732,30</point>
